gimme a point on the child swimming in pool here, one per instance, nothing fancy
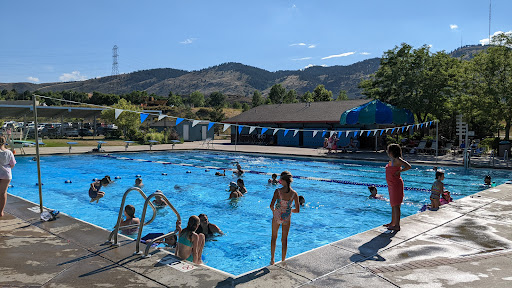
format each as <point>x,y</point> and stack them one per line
<point>241,186</point>
<point>94,190</point>
<point>282,212</point>
<point>159,202</point>
<point>138,183</point>
<point>437,189</point>
<point>273,181</point>
<point>373,193</point>
<point>190,244</point>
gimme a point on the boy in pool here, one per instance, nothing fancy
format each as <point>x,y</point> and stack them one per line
<point>273,181</point>
<point>233,191</point>
<point>302,201</point>
<point>437,189</point>
<point>241,186</point>
<point>94,190</point>
<point>239,172</point>
<point>373,193</point>
<point>220,174</point>
<point>158,202</point>
<point>488,180</point>
<point>138,183</point>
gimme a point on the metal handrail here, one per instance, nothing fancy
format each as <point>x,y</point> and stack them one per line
<point>150,242</point>
<point>120,216</point>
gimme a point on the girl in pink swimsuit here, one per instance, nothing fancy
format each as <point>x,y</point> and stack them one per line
<point>281,207</point>
<point>395,183</point>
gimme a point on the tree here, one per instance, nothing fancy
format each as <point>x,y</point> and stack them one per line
<point>307,97</point>
<point>257,99</point>
<point>414,79</point>
<point>103,99</point>
<point>174,100</point>
<point>276,94</point>
<point>137,97</point>
<point>290,97</point>
<point>217,114</point>
<point>128,122</point>
<point>197,99</point>
<point>245,107</point>
<point>216,99</point>
<point>342,95</point>
<point>322,94</point>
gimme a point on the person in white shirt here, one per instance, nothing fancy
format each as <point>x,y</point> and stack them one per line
<point>7,162</point>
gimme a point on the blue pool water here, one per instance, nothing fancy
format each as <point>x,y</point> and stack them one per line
<point>333,211</point>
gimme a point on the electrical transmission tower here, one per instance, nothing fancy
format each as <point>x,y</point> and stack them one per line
<point>115,71</point>
<point>115,64</point>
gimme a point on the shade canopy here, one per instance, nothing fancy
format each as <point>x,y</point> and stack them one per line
<point>376,112</point>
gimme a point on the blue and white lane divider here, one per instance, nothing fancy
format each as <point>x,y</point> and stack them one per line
<point>263,173</point>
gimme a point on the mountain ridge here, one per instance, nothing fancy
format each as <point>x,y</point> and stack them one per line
<point>230,78</point>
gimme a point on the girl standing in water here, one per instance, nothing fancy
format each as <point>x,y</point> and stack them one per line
<point>282,213</point>
<point>395,166</point>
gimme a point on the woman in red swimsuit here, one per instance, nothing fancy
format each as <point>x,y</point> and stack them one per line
<point>395,166</point>
<point>282,212</point>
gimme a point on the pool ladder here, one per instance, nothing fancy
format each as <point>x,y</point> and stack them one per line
<point>141,225</point>
<point>115,232</point>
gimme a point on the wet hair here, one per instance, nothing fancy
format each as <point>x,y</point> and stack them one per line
<point>105,180</point>
<point>487,177</point>
<point>130,211</point>
<point>439,173</point>
<point>301,200</point>
<point>240,181</point>
<point>395,150</point>
<point>372,187</point>
<point>193,223</point>
<point>3,140</point>
<point>274,175</point>
<point>138,181</point>
<point>287,177</point>
<point>202,215</point>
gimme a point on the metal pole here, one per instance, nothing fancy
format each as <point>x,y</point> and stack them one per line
<point>94,128</point>
<point>437,139</point>
<point>37,154</point>
<point>236,134</point>
<point>375,141</point>
<point>466,164</point>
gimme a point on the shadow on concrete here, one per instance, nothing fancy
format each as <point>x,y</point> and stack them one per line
<point>231,282</point>
<point>371,248</point>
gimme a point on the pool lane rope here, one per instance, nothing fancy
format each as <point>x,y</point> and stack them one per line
<point>261,173</point>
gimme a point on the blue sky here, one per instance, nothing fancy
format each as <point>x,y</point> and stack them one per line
<point>51,41</point>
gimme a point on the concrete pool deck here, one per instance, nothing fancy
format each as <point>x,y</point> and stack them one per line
<point>467,243</point>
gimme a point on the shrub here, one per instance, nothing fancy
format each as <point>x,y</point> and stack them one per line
<point>490,143</point>
<point>153,135</point>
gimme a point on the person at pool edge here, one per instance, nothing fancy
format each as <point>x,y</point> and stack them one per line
<point>129,213</point>
<point>395,183</point>
<point>282,212</point>
<point>233,189</point>
<point>373,193</point>
<point>488,180</point>
<point>437,189</point>
<point>94,190</point>
<point>207,228</point>
<point>273,181</point>
<point>190,244</point>
<point>7,162</point>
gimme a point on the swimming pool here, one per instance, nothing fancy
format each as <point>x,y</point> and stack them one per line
<point>333,210</point>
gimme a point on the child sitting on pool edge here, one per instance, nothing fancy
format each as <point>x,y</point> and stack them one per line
<point>94,190</point>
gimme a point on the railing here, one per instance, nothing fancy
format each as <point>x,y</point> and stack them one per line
<point>150,242</point>
<point>120,216</point>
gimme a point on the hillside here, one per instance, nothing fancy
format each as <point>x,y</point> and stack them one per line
<point>233,79</point>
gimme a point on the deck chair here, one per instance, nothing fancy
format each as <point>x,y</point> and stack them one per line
<point>432,149</point>
<point>446,149</point>
<point>420,148</point>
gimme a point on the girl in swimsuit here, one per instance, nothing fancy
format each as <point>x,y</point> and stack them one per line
<point>282,213</point>
<point>129,213</point>
<point>94,190</point>
<point>190,244</point>
<point>395,166</point>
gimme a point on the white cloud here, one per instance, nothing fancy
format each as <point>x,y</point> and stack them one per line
<point>339,55</point>
<point>454,26</point>
<point>312,46</point>
<point>298,44</point>
<point>33,79</point>
<point>365,53</point>
<point>188,41</point>
<point>300,59</point>
<point>73,76</point>
<point>308,66</point>
<point>485,41</point>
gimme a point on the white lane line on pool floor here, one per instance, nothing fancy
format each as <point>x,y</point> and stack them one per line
<point>263,173</point>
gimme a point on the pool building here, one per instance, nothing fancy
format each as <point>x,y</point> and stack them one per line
<point>321,116</point>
